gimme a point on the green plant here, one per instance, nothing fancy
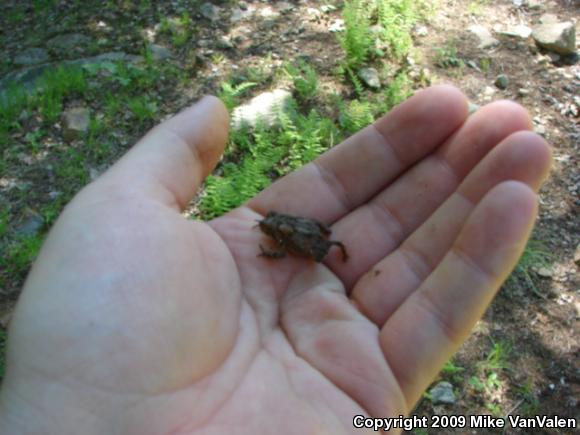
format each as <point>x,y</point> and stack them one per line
<point>178,28</point>
<point>33,137</point>
<point>485,64</point>
<point>398,90</point>
<point>531,403</point>
<point>535,255</point>
<point>451,369</point>
<point>13,101</point>
<point>182,34</point>
<point>230,94</point>
<point>20,253</point>
<point>254,158</point>
<point>396,19</point>
<point>355,115</point>
<point>446,57</point>
<point>305,137</point>
<point>475,7</point>
<point>239,182</point>
<point>72,168</point>
<point>357,38</point>
<point>304,79</point>
<point>4,220</point>
<point>54,86</point>
<point>142,107</point>
<point>497,357</point>
<point>41,6</point>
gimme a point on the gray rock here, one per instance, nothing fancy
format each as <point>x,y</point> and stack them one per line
<point>76,123</point>
<point>501,81</point>
<point>284,7</point>
<point>370,77</point>
<point>557,37</point>
<point>548,19</point>
<point>32,225</point>
<point>237,15</point>
<point>158,52</point>
<point>535,5</point>
<point>224,42</point>
<point>442,393</point>
<point>484,36</point>
<point>545,272</point>
<point>523,92</point>
<point>519,31</point>
<point>472,108</point>
<point>67,42</point>
<point>209,11</point>
<point>336,26</point>
<point>31,56</point>
<point>262,108</point>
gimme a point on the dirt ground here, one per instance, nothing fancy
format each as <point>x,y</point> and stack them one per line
<point>540,371</point>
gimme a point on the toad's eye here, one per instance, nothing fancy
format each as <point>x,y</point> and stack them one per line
<point>285,229</point>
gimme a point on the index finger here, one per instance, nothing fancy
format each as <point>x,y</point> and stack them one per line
<point>354,171</point>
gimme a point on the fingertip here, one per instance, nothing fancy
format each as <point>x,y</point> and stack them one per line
<point>508,112</point>
<point>497,230</point>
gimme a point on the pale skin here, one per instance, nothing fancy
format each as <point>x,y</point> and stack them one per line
<point>135,320</point>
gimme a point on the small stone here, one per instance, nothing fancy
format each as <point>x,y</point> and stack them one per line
<point>557,37</point>
<point>535,5</point>
<point>541,130</point>
<point>209,11</point>
<point>545,272</point>
<point>158,52</point>
<point>31,56</point>
<point>577,255</point>
<point>284,7</point>
<point>262,108</point>
<point>336,26</point>
<point>548,19</point>
<point>554,57</point>
<point>472,108</point>
<point>442,394</point>
<point>484,36</point>
<point>370,76</point>
<point>523,92</point>
<point>421,31</point>
<point>519,31</point>
<point>501,81</point>
<point>67,41</point>
<point>76,123</point>
<point>488,91</point>
<point>32,225</point>
<point>224,42</point>
<point>237,15</point>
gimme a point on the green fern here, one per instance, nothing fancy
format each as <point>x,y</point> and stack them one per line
<point>355,116</point>
<point>264,154</point>
<point>358,86</point>
<point>357,40</point>
<point>230,94</point>
<point>304,79</point>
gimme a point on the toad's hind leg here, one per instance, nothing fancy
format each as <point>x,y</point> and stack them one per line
<point>342,248</point>
<point>271,254</point>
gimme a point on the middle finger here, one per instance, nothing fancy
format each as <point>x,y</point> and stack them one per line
<point>376,228</point>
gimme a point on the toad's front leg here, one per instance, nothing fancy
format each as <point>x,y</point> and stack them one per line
<point>342,248</point>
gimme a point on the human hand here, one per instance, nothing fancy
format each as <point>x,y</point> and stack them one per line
<point>135,320</point>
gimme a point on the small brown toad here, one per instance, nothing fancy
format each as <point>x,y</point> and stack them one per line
<point>297,235</point>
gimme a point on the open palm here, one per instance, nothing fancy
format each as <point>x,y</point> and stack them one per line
<point>135,320</point>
